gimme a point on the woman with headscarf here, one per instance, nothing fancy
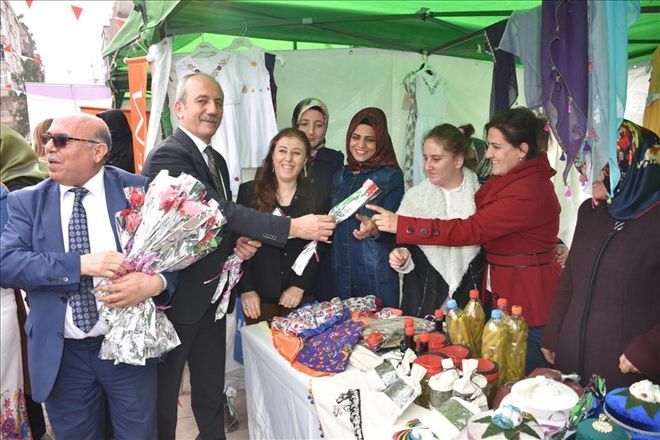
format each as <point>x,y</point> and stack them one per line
<point>311,117</point>
<point>604,319</point>
<point>516,222</point>
<point>360,259</point>
<point>121,153</point>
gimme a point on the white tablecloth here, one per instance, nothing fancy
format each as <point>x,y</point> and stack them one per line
<point>277,394</point>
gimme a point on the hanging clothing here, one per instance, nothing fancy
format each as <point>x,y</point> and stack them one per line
<point>504,90</point>
<point>428,109</point>
<point>652,110</point>
<point>522,37</point>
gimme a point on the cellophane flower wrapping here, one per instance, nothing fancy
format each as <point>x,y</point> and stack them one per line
<point>341,211</point>
<point>166,229</point>
<point>229,277</point>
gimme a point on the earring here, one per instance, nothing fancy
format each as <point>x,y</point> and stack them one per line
<point>305,171</point>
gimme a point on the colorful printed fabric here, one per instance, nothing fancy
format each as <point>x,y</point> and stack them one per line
<point>360,303</point>
<point>13,417</point>
<point>310,319</point>
<point>329,351</point>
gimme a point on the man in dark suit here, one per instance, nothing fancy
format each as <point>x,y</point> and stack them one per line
<point>60,239</point>
<point>199,111</point>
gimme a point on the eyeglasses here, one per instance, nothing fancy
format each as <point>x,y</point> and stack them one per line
<point>60,140</point>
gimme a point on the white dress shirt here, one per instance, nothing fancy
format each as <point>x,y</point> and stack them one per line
<point>103,239</point>
<point>201,146</point>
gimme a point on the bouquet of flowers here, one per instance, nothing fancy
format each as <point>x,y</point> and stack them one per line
<point>165,229</point>
<point>341,211</point>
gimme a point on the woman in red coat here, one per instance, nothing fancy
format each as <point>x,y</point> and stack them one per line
<point>516,222</point>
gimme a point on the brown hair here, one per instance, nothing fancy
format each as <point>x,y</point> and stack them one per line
<point>41,128</point>
<point>454,142</point>
<point>520,125</point>
<point>265,183</point>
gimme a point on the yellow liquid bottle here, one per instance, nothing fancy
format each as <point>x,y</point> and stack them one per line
<point>475,317</point>
<point>516,357</point>
<point>495,340</point>
<point>457,328</point>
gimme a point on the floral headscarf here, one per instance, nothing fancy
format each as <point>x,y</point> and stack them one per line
<point>314,104</point>
<point>638,158</point>
<point>384,155</point>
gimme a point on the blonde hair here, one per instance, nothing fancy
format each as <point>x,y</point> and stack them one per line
<point>41,128</point>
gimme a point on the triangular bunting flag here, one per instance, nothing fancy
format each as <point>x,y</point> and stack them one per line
<point>29,3</point>
<point>119,22</point>
<point>77,10</point>
<point>25,58</point>
<point>9,86</point>
<point>37,58</point>
<point>8,47</point>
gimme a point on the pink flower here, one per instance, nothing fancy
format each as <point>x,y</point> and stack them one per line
<point>168,198</point>
<point>133,220</point>
<point>191,208</point>
<point>136,197</point>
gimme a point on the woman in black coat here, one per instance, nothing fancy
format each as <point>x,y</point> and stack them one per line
<point>269,287</point>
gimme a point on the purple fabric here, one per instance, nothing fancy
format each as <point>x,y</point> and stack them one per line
<point>564,72</point>
<point>504,90</point>
<point>329,351</point>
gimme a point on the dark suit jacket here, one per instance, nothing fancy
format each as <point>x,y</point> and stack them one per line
<point>269,271</point>
<point>32,258</point>
<point>179,154</point>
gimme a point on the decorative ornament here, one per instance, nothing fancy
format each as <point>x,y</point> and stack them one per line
<point>563,156</point>
<point>602,425</point>
<point>510,434</point>
<point>651,409</point>
<point>568,192</point>
<point>8,47</point>
<point>77,10</point>
<point>29,3</point>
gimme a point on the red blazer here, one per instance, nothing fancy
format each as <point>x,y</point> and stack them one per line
<point>516,222</point>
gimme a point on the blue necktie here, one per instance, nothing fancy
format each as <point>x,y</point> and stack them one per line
<point>82,302</point>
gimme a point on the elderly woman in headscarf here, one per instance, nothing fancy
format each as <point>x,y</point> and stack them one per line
<point>121,154</point>
<point>360,258</point>
<point>311,117</point>
<point>604,318</point>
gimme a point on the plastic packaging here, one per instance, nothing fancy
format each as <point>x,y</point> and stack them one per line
<point>495,341</point>
<point>457,327</point>
<point>517,353</point>
<point>475,318</point>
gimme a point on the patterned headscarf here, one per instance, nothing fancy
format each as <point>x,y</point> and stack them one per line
<point>638,158</point>
<point>313,104</point>
<point>384,155</point>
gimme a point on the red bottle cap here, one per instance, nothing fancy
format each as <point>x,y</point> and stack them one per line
<point>474,293</point>
<point>424,337</point>
<point>410,331</point>
<point>502,303</point>
<point>408,322</point>
<point>516,310</point>
<point>432,363</point>
<point>439,314</point>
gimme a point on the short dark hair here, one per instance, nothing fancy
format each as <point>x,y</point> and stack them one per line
<point>520,125</point>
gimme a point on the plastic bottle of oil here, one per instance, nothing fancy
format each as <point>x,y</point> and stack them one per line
<point>457,327</point>
<point>495,340</point>
<point>475,317</point>
<point>517,354</point>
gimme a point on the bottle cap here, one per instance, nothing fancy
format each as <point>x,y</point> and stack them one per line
<point>439,314</point>
<point>474,293</point>
<point>410,331</point>
<point>516,310</point>
<point>502,303</point>
<point>408,322</point>
<point>424,337</point>
<point>451,304</point>
<point>496,314</point>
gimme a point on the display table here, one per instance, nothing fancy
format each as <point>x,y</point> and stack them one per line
<point>277,394</point>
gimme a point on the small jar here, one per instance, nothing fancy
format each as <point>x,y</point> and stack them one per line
<point>433,365</point>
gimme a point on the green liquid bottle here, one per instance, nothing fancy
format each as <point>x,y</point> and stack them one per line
<point>475,317</point>
<point>516,356</point>
<point>495,340</point>
<point>457,328</point>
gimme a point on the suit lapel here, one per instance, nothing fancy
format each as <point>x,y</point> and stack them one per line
<point>199,163</point>
<point>115,200</point>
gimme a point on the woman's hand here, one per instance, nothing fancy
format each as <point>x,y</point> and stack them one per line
<point>548,355</point>
<point>385,220</point>
<point>625,366</point>
<point>561,254</point>
<point>251,304</point>
<point>399,257</point>
<point>291,297</point>
<point>367,228</point>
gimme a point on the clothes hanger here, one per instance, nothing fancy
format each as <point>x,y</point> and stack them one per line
<point>204,49</point>
<point>425,57</point>
<point>240,42</point>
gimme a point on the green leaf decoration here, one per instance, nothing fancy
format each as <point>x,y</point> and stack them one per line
<point>510,434</point>
<point>633,402</point>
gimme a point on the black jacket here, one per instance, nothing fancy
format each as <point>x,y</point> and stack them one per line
<point>269,272</point>
<point>179,154</point>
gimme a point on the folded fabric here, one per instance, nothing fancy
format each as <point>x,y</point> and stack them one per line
<point>329,351</point>
<point>311,319</point>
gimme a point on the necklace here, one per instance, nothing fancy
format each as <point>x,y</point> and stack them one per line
<point>284,199</point>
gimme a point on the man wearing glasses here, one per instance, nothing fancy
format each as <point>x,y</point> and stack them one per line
<point>59,240</point>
